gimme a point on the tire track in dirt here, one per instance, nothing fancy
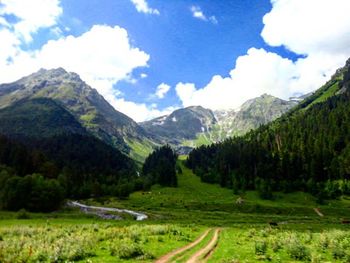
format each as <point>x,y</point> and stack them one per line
<point>203,254</point>
<point>166,258</point>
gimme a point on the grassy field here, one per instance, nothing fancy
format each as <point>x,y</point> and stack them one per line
<point>177,217</point>
<point>283,244</point>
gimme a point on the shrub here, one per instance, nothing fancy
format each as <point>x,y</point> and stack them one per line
<point>260,247</point>
<point>159,230</point>
<point>298,251</point>
<point>127,251</point>
<point>338,252</point>
<point>323,242</point>
<point>22,214</point>
<point>276,245</point>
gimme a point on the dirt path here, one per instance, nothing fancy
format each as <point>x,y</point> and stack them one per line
<point>166,258</point>
<point>203,254</point>
<point>317,210</point>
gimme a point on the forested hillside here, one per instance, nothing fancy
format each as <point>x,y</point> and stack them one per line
<point>160,167</point>
<point>306,149</point>
<point>46,155</point>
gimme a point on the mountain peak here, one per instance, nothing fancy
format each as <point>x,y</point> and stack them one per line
<point>82,101</point>
<point>54,71</point>
<point>53,74</point>
<point>265,95</point>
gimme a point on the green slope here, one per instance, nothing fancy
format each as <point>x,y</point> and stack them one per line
<point>38,118</point>
<point>196,202</point>
<point>307,149</point>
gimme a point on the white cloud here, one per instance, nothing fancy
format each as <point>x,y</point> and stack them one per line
<point>143,75</point>
<point>32,15</point>
<point>162,89</point>
<point>320,30</point>
<point>199,14</point>
<point>304,27</point>
<point>312,26</point>
<point>102,56</point>
<point>256,73</point>
<point>142,7</point>
<point>139,111</point>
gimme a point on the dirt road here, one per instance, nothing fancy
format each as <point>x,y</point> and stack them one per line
<point>166,258</point>
<point>203,254</point>
<point>200,255</point>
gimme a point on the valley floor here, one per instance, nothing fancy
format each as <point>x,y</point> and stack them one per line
<point>286,229</point>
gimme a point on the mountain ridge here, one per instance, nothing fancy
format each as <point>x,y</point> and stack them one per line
<point>183,129</point>
<point>211,126</point>
<point>84,102</point>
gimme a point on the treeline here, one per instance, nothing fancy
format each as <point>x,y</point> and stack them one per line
<point>38,174</point>
<point>308,150</point>
<point>160,167</point>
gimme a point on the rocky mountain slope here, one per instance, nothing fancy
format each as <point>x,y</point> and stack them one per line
<point>182,124</point>
<point>251,115</point>
<point>195,126</point>
<point>183,129</point>
<point>84,102</point>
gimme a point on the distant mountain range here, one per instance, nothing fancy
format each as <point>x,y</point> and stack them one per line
<point>195,125</point>
<point>183,129</point>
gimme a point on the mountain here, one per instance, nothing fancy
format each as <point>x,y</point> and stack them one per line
<point>194,126</point>
<point>38,118</point>
<point>182,124</point>
<point>182,129</point>
<point>306,149</point>
<point>45,152</point>
<point>43,124</point>
<point>84,102</point>
<point>251,115</point>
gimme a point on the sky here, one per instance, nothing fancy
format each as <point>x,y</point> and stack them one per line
<point>150,57</point>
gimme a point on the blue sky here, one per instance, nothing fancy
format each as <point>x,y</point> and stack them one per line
<point>149,57</point>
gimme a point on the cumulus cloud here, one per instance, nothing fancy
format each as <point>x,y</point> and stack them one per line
<point>304,28</point>
<point>256,73</point>
<point>199,14</point>
<point>162,89</point>
<point>142,7</point>
<point>102,56</point>
<point>32,15</point>
<point>140,111</point>
<point>308,27</point>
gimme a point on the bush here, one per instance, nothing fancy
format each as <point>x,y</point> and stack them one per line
<point>276,245</point>
<point>338,252</point>
<point>298,251</point>
<point>260,247</point>
<point>323,242</point>
<point>127,251</point>
<point>22,214</point>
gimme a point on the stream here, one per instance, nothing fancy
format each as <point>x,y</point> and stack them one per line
<point>99,211</point>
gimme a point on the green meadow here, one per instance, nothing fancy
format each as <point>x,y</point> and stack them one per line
<point>178,216</point>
